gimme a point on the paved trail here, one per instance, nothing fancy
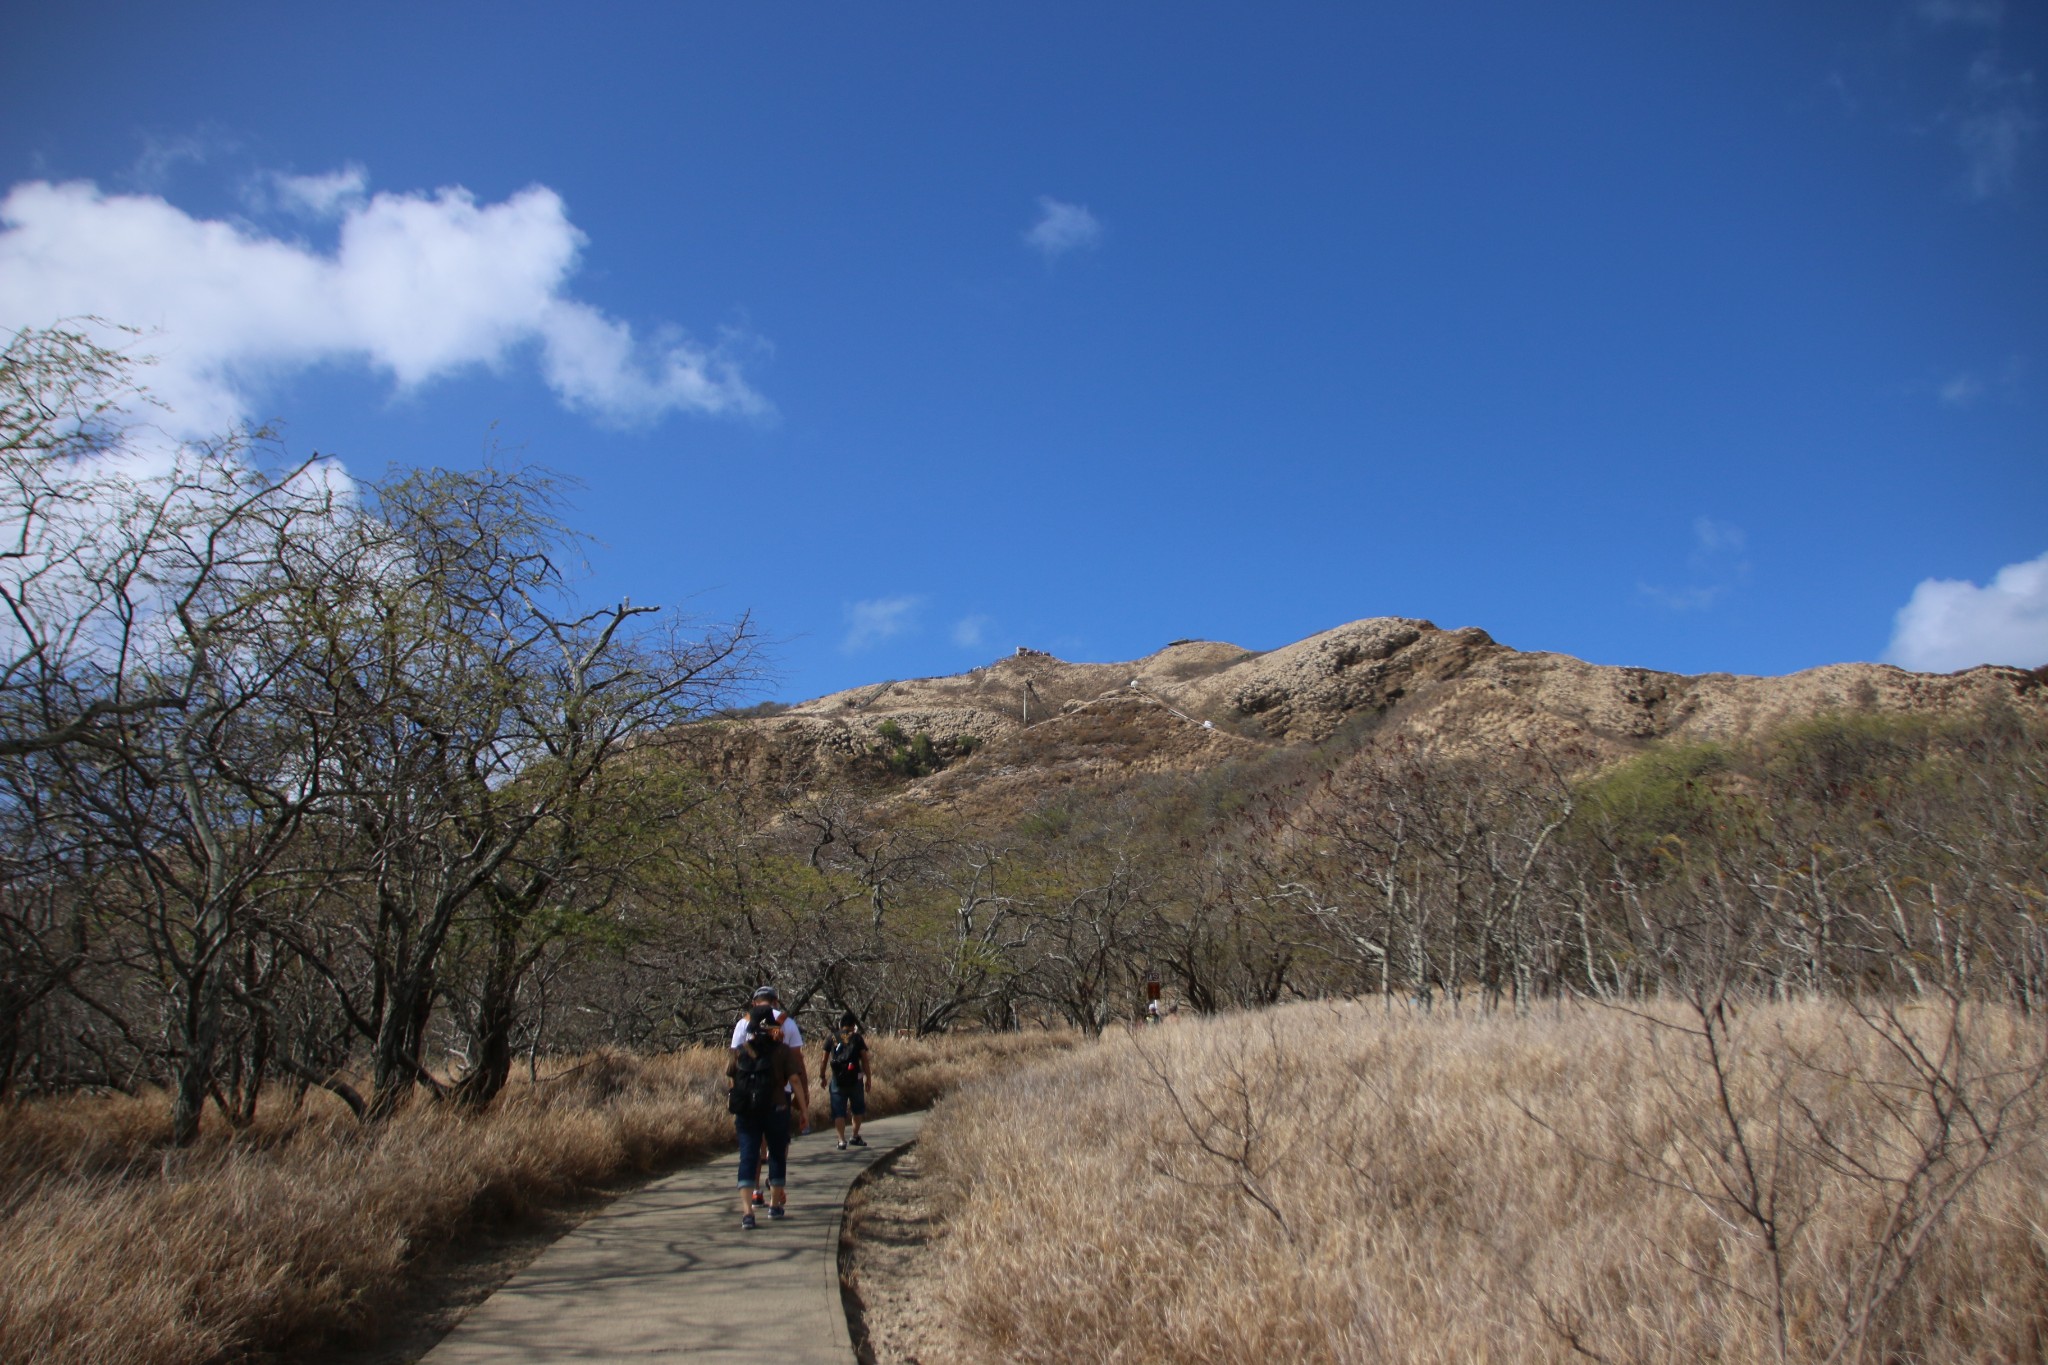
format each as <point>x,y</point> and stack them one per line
<point>667,1274</point>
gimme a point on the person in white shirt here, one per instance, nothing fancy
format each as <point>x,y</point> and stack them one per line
<point>792,1036</point>
<point>793,1039</point>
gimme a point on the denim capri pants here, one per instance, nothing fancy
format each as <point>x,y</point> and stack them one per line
<point>751,1131</point>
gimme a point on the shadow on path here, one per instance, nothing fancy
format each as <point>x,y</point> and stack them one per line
<point>667,1273</point>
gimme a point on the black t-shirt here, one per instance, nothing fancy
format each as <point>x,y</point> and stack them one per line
<point>846,1062</point>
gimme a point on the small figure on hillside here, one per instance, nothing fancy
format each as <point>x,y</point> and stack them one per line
<point>764,1074</point>
<point>1152,1012</point>
<point>845,1071</point>
<point>792,1038</point>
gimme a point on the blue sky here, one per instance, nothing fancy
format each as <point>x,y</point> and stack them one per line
<point>1700,337</point>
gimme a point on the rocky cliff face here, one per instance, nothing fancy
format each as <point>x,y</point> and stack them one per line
<point>1196,703</point>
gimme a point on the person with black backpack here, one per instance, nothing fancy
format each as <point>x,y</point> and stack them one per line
<point>791,1035</point>
<point>845,1070</point>
<point>763,1072</point>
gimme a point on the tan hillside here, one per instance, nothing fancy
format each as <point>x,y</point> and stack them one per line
<point>1196,703</point>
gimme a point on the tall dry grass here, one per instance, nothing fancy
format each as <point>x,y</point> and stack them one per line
<point>119,1250</point>
<point>1341,1184</point>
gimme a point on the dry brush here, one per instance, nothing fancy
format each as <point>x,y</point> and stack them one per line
<point>119,1248</point>
<point>1348,1183</point>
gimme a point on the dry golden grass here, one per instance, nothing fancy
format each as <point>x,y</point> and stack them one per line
<point>117,1250</point>
<point>1338,1184</point>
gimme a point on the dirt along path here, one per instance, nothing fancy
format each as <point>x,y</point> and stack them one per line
<point>889,1265</point>
<point>666,1273</point>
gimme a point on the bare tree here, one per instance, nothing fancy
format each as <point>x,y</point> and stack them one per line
<point>478,704</point>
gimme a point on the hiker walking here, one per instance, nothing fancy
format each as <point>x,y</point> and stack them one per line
<point>764,1073</point>
<point>793,1039</point>
<point>845,1071</point>
<point>792,1036</point>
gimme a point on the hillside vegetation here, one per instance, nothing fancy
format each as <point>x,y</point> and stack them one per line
<point>1055,874</point>
<point>1352,1182</point>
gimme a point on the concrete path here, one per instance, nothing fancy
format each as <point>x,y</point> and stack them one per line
<point>666,1273</point>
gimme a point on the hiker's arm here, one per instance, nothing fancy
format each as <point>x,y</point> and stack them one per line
<point>803,1098</point>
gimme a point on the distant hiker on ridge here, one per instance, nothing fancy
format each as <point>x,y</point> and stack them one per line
<point>763,1073</point>
<point>845,1070</point>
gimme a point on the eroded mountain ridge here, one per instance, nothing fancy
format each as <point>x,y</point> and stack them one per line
<point>1196,703</point>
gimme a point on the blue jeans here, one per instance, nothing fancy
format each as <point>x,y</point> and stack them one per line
<point>751,1132</point>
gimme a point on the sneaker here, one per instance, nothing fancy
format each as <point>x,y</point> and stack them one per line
<point>842,1144</point>
<point>748,1222</point>
<point>856,1141</point>
<point>776,1212</point>
<point>760,1198</point>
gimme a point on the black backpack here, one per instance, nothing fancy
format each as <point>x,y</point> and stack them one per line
<point>754,1087</point>
<point>846,1061</point>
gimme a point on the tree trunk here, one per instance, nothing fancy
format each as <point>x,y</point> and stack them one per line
<point>491,1030</point>
<point>195,1068</point>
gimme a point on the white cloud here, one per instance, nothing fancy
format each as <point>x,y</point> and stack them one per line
<point>1951,623</point>
<point>971,632</point>
<point>1062,227</point>
<point>323,196</point>
<point>161,156</point>
<point>419,286</point>
<point>871,622</point>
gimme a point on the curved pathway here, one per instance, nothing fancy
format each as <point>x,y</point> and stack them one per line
<point>666,1273</point>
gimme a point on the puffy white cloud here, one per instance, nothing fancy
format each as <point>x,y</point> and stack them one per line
<point>420,286</point>
<point>871,622</point>
<point>1061,228</point>
<point>1951,623</point>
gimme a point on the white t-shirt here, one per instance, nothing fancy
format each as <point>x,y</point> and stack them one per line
<point>791,1034</point>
